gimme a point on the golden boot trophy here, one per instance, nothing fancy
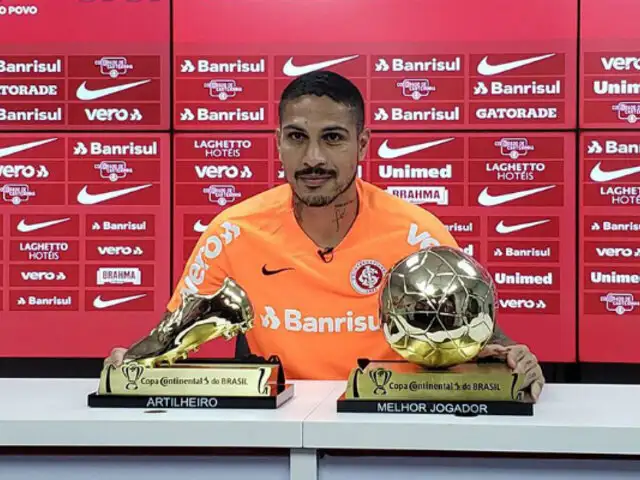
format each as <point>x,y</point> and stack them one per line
<point>156,372</point>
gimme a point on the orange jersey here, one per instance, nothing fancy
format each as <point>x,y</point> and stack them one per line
<point>319,316</point>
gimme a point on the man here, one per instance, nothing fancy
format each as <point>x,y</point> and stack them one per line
<point>311,253</point>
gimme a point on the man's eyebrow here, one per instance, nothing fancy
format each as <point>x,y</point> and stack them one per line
<point>291,126</point>
<point>330,128</point>
<point>333,128</point>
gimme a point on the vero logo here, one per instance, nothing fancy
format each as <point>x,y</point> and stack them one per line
<point>422,239</point>
<point>270,319</point>
<point>211,249</point>
<point>120,250</point>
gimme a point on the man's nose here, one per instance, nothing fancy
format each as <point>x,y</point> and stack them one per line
<point>314,156</point>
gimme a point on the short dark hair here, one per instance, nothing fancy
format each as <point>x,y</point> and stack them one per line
<point>321,83</point>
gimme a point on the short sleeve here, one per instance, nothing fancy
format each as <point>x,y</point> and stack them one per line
<point>208,265</point>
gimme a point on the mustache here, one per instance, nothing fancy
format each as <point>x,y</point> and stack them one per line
<point>315,171</point>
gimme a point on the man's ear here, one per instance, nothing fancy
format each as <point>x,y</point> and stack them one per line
<point>363,143</point>
<point>278,132</point>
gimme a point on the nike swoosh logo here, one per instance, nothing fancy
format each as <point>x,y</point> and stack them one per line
<point>485,69</point>
<point>25,228</point>
<point>491,200</point>
<point>598,175</point>
<point>6,151</point>
<point>83,93</point>
<point>385,151</point>
<point>199,227</point>
<point>99,303</point>
<point>292,70</point>
<point>504,229</point>
<point>273,272</point>
<point>87,198</point>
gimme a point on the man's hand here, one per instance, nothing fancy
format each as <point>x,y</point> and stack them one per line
<point>116,358</point>
<point>520,360</point>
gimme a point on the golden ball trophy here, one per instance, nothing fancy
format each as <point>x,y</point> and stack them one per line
<point>156,372</point>
<point>437,310</point>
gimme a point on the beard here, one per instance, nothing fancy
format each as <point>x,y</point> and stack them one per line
<point>315,200</point>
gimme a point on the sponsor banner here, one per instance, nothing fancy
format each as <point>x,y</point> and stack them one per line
<point>609,228</point>
<point>118,80</point>
<point>462,226</point>
<point>85,229</point>
<point>617,304</point>
<point>508,198</point>
<point>114,300</point>
<point>610,65</point>
<point>43,275</point>
<point>232,170</point>
<point>428,68</point>
<point>608,252</point>
<point>528,253</point>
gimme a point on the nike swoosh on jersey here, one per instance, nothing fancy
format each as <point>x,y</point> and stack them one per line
<point>99,303</point>
<point>199,227</point>
<point>266,271</point>
<point>83,93</point>
<point>87,198</point>
<point>504,229</point>
<point>387,152</point>
<point>6,151</point>
<point>598,175</point>
<point>484,68</point>
<point>292,70</point>
<point>26,228</point>
<point>488,200</point>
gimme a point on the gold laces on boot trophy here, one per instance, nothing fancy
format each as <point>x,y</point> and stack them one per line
<point>437,310</point>
<point>199,319</point>
<point>156,372</point>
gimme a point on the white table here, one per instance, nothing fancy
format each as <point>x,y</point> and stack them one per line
<point>569,420</point>
<point>54,413</point>
<point>306,439</point>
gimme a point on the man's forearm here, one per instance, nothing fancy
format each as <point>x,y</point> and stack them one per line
<point>499,338</point>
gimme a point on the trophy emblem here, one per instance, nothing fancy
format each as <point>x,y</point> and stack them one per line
<point>380,377</point>
<point>132,372</point>
<point>437,310</point>
<point>156,371</point>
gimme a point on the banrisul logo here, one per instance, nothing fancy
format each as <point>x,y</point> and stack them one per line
<point>294,320</point>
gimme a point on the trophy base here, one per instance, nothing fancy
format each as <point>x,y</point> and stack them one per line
<point>486,387</point>
<point>458,408</point>
<point>252,382</point>
<point>278,397</point>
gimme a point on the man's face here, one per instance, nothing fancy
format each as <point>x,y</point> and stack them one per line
<point>319,148</point>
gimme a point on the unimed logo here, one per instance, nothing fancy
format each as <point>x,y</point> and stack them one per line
<point>294,320</point>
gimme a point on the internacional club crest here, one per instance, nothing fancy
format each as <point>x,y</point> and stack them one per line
<point>366,276</point>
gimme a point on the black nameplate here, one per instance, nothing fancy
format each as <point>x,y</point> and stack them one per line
<point>458,408</point>
<point>186,401</point>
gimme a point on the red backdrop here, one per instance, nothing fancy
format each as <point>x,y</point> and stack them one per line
<point>107,182</point>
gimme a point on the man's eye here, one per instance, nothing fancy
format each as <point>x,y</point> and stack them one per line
<point>296,136</point>
<point>333,137</point>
